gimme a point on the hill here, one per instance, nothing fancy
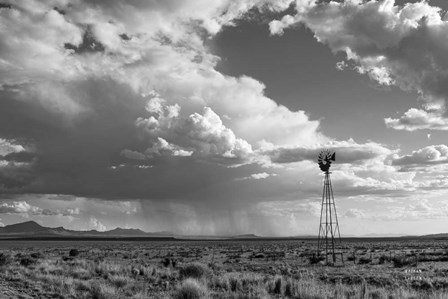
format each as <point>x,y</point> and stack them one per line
<point>31,229</point>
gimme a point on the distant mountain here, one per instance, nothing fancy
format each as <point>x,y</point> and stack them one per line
<point>385,236</point>
<point>246,236</point>
<point>24,227</point>
<point>125,231</point>
<point>32,229</point>
<point>435,236</point>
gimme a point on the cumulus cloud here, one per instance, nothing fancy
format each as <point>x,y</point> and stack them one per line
<point>105,84</point>
<point>429,155</point>
<point>418,119</point>
<point>22,207</point>
<point>276,27</point>
<point>96,225</point>
<point>204,134</point>
<point>392,44</point>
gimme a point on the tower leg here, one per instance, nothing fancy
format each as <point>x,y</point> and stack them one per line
<point>329,226</point>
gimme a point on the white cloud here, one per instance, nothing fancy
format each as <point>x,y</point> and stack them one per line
<point>394,45</point>
<point>276,27</point>
<point>418,119</point>
<point>429,155</point>
<point>17,207</point>
<point>71,211</point>
<point>22,207</point>
<point>96,224</point>
<point>257,176</point>
<point>9,146</point>
<point>201,134</point>
<point>162,147</point>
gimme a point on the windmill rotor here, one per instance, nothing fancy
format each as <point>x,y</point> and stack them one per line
<point>324,160</point>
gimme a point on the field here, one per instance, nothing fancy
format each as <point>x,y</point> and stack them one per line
<point>222,269</point>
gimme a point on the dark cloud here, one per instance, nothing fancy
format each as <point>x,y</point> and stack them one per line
<point>25,157</point>
<point>347,152</point>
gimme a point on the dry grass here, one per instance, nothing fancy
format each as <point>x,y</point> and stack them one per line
<point>239,270</point>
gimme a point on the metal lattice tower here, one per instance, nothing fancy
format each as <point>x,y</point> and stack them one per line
<point>329,227</point>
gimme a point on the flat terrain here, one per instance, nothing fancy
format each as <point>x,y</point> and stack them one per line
<point>400,268</point>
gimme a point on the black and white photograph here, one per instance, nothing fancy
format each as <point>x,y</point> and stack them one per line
<point>236,149</point>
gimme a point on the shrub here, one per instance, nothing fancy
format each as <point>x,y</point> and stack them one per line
<point>119,281</point>
<point>191,289</point>
<point>27,261</point>
<point>169,262</point>
<point>314,259</point>
<point>234,284</point>
<point>102,291</point>
<point>422,285</point>
<point>4,259</point>
<point>364,260</point>
<point>197,271</point>
<point>73,252</point>
<point>37,255</point>
<point>401,261</point>
<point>289,288</point>
<point>278,286</point>
<point>363,293</point>
<point>383,259</point>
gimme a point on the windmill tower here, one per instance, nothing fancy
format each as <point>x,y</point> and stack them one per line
<point>329,227</point>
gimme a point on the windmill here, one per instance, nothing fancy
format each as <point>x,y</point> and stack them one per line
<point>329,226</point>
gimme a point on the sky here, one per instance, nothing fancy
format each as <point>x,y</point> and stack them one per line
<point>206,117</point>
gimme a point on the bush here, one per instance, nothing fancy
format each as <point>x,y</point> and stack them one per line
<point>191,289</point>
<point>4,259</point>
<point>401,261</point>
<point>27,261</point>
<point>36,255</point>
<point>102,291</point>
<point>314,259</point>
<point>278,286</point>
<point>383,259</point>
<point>364,260</point>
<point>289,288</point>
<point>73,252</point>
<point>119,281</point>
<point>234,283</point>
<point>197,271</point>
<point>169,262</point>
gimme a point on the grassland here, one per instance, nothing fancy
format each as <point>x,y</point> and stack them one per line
<point>222,269</point>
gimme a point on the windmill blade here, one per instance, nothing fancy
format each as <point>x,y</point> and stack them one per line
<point>333,157</point>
